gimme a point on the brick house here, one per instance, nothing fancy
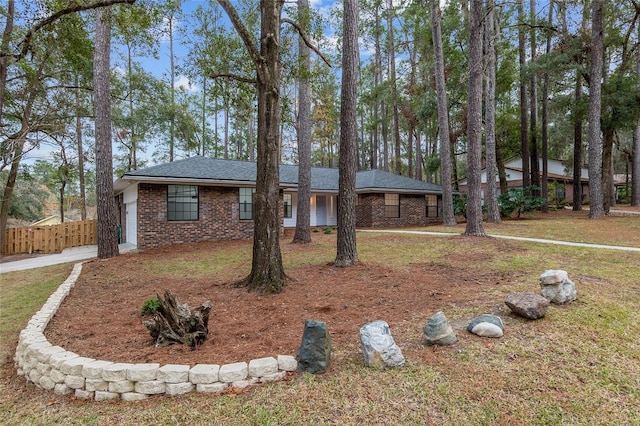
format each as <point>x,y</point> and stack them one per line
<point>199,198</point>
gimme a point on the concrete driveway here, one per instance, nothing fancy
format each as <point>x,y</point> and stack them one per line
<point>68,255</point>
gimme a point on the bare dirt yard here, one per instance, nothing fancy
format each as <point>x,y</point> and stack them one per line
<point>101,317</point>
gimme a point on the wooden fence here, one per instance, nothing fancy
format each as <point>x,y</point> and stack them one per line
<point>49,238</point>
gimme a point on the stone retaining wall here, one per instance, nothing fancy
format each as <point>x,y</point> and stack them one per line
<point>54,368</point>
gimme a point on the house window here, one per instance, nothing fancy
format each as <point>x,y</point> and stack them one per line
<point>246,203</point>
<point>288,205</point>
<point>391,205</point>
<point>182,202</point>
<point>431,202</point>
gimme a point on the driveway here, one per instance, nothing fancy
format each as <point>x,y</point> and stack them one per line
<point>68,255</point>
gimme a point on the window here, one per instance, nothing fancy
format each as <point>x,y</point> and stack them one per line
<point>288,205</point>
<point>246,203</point>
<point>182,202</point>
<point>391,205</point>
<point>431,202</point>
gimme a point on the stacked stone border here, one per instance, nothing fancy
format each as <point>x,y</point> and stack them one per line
<point>54,368</point>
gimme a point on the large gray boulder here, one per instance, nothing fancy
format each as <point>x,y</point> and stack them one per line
<point>437,331</point>
<point>557,287</point>
<point>314,353</point>
<point>486,326</point>
<point>378,347</point>
<point>528,305</point>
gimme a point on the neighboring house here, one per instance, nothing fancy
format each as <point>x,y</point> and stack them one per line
<point>559,179</point>
<point>201,198</point>
<point>51,220</point>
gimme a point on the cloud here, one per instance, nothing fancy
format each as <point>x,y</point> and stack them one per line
<point>183,82</point>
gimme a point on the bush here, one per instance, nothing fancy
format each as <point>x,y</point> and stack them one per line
<point>520,200</point>
<point>327,230</point>
<point>150,306</point>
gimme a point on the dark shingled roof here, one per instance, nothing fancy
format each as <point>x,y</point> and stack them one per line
<point>322,179</point>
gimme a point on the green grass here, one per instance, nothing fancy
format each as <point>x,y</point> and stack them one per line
<point>577,366</point>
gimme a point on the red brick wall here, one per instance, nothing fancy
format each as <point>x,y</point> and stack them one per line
<point>218,217</point>
<point>370,212</point>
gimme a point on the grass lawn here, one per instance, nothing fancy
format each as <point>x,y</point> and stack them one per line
<point>580,365</point>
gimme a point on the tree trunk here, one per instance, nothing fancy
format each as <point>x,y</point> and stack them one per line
<point>4,59</point>
<point>448,218</point>
<point>635,162</point>
<point>175,322</point>
<point>596,206</point>
<point>303,215</point>
<point>106,208</point>
<point>474,122</point>
<point>545,120</point>
<point>608,193</point>
<point>80,151</point>
<point>394,89</point>
<point>577,146</point>
<point>346,245</point>
<point>172,89</point>
<point>491,199</point>
<point>524,129</point>
<point>535,161</point>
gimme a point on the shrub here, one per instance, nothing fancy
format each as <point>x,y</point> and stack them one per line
<point>150,306</point>
<point>520,200</point>
<point>327,230</point>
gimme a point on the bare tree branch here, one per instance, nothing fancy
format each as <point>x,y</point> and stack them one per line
<point>26,41</point>
<point>306,40</point>
<point>234,77</point>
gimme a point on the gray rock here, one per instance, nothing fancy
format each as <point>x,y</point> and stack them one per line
<point>557,287</point>
<point>527,305</point>
<point>486,326</point>
<point>378,346</point>
<point>314,353</point>
<point>437,331</point>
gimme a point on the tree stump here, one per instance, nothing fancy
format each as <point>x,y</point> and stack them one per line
<point>176,322</point>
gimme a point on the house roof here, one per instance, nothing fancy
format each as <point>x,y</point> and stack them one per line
<point>216,171</point>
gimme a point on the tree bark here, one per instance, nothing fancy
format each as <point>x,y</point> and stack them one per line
<point>596,206</point>
<point>491,199</point>
<point>533,146</point>
<point>267,271</point>
<point>448,218</point>
<point>577,146</point>
<point>635,162</point>
<point>474,122</point>
<point>394,90</point>
<point>347,253</point>
<point>545,120</point>
<point>106,208</point>
<point>176,322</point>
<point>303,214</point>
<point>524,129</point>
<point>4,59</point>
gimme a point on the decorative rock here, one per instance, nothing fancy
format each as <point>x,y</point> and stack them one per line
<point>287,363</point>
<point>94,369</point>
<point>83,394</point>
<point>273,377</point>
<point>486,326</point>
<point>116,372</point>
<point>121,386</point>
<point>437,331</point>
<point>204,374</point>
<point>105,396</point>
<point>378,347</point>
<point>557,287</point>
<point>93,385</point>
<point>241,384</point>
<point>74,382</point>
<point>133,396</point>
<point>211,387</point>
<point>179,388</point>
<point>263,367</point>
<point>47,383</point>
<point>143,372</point>
<point>233,372</point>
<point>527,305</point>
<point>314,352</point>
<point>151,387</point>
<point>75,365</point>
<point>62,389</point>
<point>173,373</point>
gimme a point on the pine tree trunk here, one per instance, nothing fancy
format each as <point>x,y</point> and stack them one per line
<point>491,200</point>
<point>106,208</point>
<point>474,122</point>
<point>448,218</point>
<point>303,214</point>
<point>533,145</point>
<point>545,120</point>
<point>635,162</point>
<point>524,129</point>
<point>346,245</point>
<point>596,206</point>
<point>577,147</point>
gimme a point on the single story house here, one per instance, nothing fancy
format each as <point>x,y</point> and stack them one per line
<point>200,198</point>
<point>559,177</point>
